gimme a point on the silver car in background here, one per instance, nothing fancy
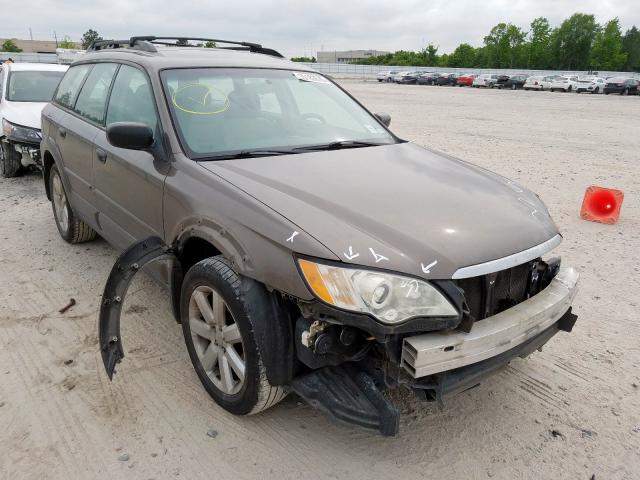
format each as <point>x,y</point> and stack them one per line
<point>386,76</point>
<point>485,80</point>
<point>533,83</point>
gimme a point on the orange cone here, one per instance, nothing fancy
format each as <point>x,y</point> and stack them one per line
<point>601,204</point>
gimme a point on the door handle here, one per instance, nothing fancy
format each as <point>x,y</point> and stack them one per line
<point>62,132</point>
<point>101,154</point>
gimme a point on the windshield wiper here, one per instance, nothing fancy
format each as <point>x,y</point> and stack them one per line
<point>340,144</point>
<point>249,154</point>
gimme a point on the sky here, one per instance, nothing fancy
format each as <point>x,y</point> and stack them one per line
<point>298,27</point>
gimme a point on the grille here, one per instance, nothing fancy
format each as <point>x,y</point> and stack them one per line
<point>493,293</point>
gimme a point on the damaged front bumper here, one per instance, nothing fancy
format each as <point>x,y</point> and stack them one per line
<point>29,152</point>
<point>436,352</point>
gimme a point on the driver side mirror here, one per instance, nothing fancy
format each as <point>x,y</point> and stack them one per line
<point>385,118</point>
<point>130,135</point>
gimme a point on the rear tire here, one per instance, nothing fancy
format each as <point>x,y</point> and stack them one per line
<point>222,348</point>
<point>70,227</point>
<point>10,164</point>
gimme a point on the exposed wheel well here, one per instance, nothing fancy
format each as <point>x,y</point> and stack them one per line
<point>194,250</point>
<point>191,252</point>
<point>47,162</point>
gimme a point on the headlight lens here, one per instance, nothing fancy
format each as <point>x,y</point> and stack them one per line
<point>19,133</point>
<point>388,297</point>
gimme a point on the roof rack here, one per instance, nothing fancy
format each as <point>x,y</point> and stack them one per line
<point>146,43</point>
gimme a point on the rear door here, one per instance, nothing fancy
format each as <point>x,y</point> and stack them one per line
<point>129,183</point>
<point>72,138</point>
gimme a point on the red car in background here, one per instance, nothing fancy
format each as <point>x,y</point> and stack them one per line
<point>466,80</point>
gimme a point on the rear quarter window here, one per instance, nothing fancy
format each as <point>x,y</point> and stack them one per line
<point>70,85</point>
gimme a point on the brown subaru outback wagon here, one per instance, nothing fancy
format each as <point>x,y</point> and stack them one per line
<point>306,247</point>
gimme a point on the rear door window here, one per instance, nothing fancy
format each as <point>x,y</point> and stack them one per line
<point>92,100</point>
<point>131,98</point>
<point>70,85</point>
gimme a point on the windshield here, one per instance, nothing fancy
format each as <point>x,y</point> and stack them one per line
<point>32,86</point>
<point>218,111</point>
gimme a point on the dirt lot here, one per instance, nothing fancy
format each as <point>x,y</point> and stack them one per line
<point>571,411</point>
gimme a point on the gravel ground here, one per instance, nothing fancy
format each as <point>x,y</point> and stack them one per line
<point>571,411</point>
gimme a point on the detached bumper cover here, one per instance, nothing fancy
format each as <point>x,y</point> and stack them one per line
<point>437,352</point>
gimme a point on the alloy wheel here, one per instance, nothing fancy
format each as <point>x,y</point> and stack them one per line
<point>217,340</point>
<point>60,203</point>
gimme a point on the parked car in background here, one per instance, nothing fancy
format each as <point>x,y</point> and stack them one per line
<point>427,78</point>
<point>515,82</point>
<point>411,78</point>
<point>466,79</point>
<point>25,88</point>
<point>566,83</point>
<point>533,83</point>
<point>590,85</point>
<point>623,86</point>
<point>545,83</point>
<point>446,79</point>
<point>487,80</point>
<point>396,78</point>
<point>501,80</point>
<point>386,76</point>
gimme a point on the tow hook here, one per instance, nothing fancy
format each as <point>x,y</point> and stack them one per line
<point>127,265</point>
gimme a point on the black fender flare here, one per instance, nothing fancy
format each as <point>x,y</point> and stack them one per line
<point>270,322</point>
<point>127,265</point>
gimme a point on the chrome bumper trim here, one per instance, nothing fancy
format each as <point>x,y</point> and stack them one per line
<point>509,261</point>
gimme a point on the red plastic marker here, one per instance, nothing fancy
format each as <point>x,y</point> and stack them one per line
<point>601,204</point>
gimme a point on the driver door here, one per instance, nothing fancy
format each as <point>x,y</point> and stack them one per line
<point>129,183</point>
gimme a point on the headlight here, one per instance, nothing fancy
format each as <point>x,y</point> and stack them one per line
<point>19,133</point>
<point>388,297</point>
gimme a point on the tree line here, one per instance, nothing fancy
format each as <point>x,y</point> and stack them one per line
<point>579,43</point>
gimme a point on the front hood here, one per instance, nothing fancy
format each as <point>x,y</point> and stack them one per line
<point>26,114</point>
<point>398,207</point>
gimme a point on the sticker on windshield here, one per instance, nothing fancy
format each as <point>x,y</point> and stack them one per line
<point>310,77</point>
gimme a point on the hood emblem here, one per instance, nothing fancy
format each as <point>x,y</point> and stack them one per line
<point>293,235</point>
<point>428,268</point>
<point>351,255</point>
<point>377,256</point>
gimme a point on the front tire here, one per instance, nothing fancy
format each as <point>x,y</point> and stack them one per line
<point>71,229</point>
<point>219,336</point>
<point>10,164</point>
